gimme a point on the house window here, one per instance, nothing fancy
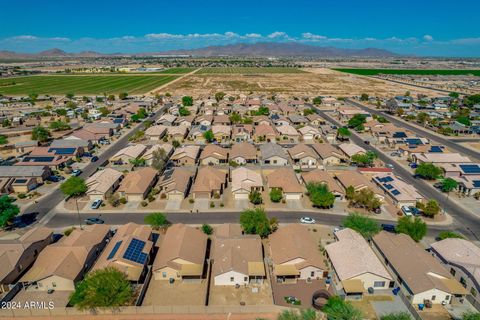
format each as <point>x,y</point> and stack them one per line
<point>434,297</point>
<point>379,284</point>
<point>312,274</point>
<point>463,282</point>
<point>275,161</point>
<point>231,279</point>
<point>452,271</point>
<point>54,284</point>
<point>474,292</point>
<point>447,297</point>
<point>245,279</point>
<point>164,274</point>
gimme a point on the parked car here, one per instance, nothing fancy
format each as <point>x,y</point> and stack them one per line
<point>76,172</point>
<point>389,165</point>
<point>366,142</point>
<point>96,204</point>
<point>307,220</point>
<point>415,211</point>
<point>395,154</point>
<point>388,227</point>
<point>94,159</point>
<point>91,221</point>
<point>87,154</point>
<point>406,211</point>
<point>21,221</point>
<point>55,178</point>
<point>438,185</point>
<point>413,165</point>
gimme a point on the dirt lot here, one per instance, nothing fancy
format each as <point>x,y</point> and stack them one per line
<point>162,293</point>
<point>229,295</point>
<point>317,81</point>
<point>367,307</point>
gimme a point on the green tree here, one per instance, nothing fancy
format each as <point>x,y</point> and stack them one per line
<point>349,192</point>
<point>317,101</point>
<point>235,118</point>
<point>187,101</point>
<point>219,96</point>
<point>423,117</point>
<point>138,162</point>
<point>208,135</point>
<point>449,185</point>
<point>74,187</point>
<point>61,112</point>
<point>182,111</point>
<point>262,111</point>
<point>365,198</point>
<point>357,121</point>
<point>107,287</point>
<point>364,225</point>
<point>320,196</point>
<point>137,136</point>
<point>142,113</point>
<point>471,315</point>
<point>343,133</point>
<point>464,120</point>
<point>6,123</point>
<point>122,96</point>
<point>59,126</point>
<point>40,134</point>
<point>33,96</point>
<point>104,111</point>
<point>364,97</point>
<point>449,234</point>
<point>308,111</point>
<point>70,105</point>
<point>255,221</point>
<point>156,220</point>
<point>111,97</point>
<point>70,95</point>
<point>304,314</point>
<point>400,112</point>
<point>175,144</point>
<point>255,197</point>
<point>364,159</point>
<point>414,227</point>
<point>396,316</point>
<point>8,210</point>
<point>432,208</point>
<point>3,139</point>
<point>276,195</point>
<point>338,309</point>
<point>428,171</point>
<point>207,229</point>
<point>159,159</point>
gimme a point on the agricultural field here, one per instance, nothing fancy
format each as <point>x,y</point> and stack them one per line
<point>374,72</point>
<point>61,85</point>
<point>249,70</point>
<point>175,71</point>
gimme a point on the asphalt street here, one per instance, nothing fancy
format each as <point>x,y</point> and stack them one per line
<point>464,221</point>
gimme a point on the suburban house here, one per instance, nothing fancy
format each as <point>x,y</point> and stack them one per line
<point>182,254</point>
<point>462,258</point>
<point>128,153</point>
<point>185,121</point>
<point>221,132</point>
<point>236,259</point>
<point>166,119</point>
<point>242,132</point>
<point>298,120</point>
<point>186,155</point>
<point>62,264</point>
<point>309,134</point>
<point>419,275</point>
<point>209,183</point>
<point>323,177</point>
<point>177,132</point>
<point>175,183</point>
<point>221,120</point>
<point>329,155</point>
<point>103,183</point>
<point>273,154</point>
<point>71,143</point>
<point>400,192</point>
<point>137,184</point>
<point>264,132</point>
<point>17,255</point>
<point>285,180</point>
<point>205,120</point>
<point>156,132</point>
<point>295,255</point>
<point>51,157</point>
<point>148,155</point>
<point>351,149</point>
<point>197,133</point>
<point>243,153</point>
<point>355,265</point>
<point>214,155</point>
<point>38,173</point>
<point>244,181</point>
<point>315,119</point>
<point>258,120</point>
<point>439,158</point>
<point>358,181</point>
<point>303,156</point>
<point>288,133</point>
<point>128,251</point>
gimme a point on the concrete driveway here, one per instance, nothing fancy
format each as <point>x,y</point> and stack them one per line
<point>173,205</point>
<point>295,204</point>
<point>201,204</point>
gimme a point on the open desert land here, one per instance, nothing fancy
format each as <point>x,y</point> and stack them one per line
<point>312,81</point>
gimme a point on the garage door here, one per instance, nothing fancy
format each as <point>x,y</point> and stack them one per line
<point>201,195</point>
<point>176,197</point>
<point>293,196</point>
<point>241,196</point>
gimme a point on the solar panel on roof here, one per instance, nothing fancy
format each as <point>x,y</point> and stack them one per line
<point>476,183</point>
<point>387,179</point>
<point>38,159</point>
<point>399,135</point>
<point>20,180</point>
<point>435,149</point>
<point>414,141</point>
<point>62,150</point>
<point>470,168</point>
<point>114,250</point>
<point>388,186</point>
<point>395,192</point>
<point>134,251</point>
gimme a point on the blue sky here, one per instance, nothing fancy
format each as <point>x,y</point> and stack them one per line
<point>421,27</point>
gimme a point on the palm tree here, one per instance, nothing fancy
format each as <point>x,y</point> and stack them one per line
<point>74,187</point>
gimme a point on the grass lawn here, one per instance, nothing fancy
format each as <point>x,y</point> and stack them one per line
<point>98,84</point>
<point>374,72</point>
<point>249,70</point>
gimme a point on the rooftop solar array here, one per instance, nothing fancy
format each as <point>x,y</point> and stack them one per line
<point>61,151</point>
<point>385,179</point>
<point>388,186</point>
<point>470,168</point>
<point>114,250</point>
<point>38,159</point>
<point>399,135</point>
<point>395,192</point>
<point>476,183</point>
<point>134,251</point>
<point>414,141</point>
<point>436,149</point>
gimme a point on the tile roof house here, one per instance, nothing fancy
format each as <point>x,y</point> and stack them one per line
<point>243,153</point>
<point>309,134</point>
<point>221,120</point>
<point>400,192</point>
<point>288,133</point>
<point>214,155</point>
<point>71,143</point>
<point>128,251</point>
<point>39,173</point>
<point>185,121</point>
<point>315,119</point>
<point>137,184</point>
<point>329,155</point>
<point>222,132</point>
<point>286,180</point>
<point>103,183</point>
<point>209,183</point>
<point>297,120</point>
<point>177,132</point>
<point>63,264</point>
<point>148,155</point>
<point>205,120</point>
<point>186,155</point>
<point>355,265</point>
<point>242,132</point>
<point>128,153</point>
<point>303,156</point>
<point>351,149</point>
<point>197,133</point>
<point>182,254</point>
<point>417,272</point>
<point>156,132</point>
<point>440,158</point>
<point>166,119</point>
<point>237,260</point>
<point>264,132</point>
<point>358,181</point>
<point>175,183</point>
<point>273,154</point>
<point>462,258</point>
<point>295,255</point>
<point>321,176</point>
<point>244,181</point>
<point>17,255</point>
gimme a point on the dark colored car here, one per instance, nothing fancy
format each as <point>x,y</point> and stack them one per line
<point>94,159</point>
<point>55,178</point>
<point>91,221</point>
<point>22,221</point>
<point>388,227</point>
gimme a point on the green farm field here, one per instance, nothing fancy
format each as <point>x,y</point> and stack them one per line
<point>175,71</point>
<point>61,85</point>
<point>374,72</point>
<point>248,70</point>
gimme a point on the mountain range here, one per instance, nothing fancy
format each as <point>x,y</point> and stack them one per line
<point>261,49</point>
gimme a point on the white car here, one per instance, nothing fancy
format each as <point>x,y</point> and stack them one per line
<point>406,211</point>
<point>307,220</point>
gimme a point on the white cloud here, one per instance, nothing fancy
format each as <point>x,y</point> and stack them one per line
<point>24,37</point>
<point>427,37</point>
<point>230,34</point>
<point>311,36</point>
<point>277,34</point>
<point>253,35</point>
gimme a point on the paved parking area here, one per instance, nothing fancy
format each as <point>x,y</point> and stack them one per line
<point>179,293</point>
